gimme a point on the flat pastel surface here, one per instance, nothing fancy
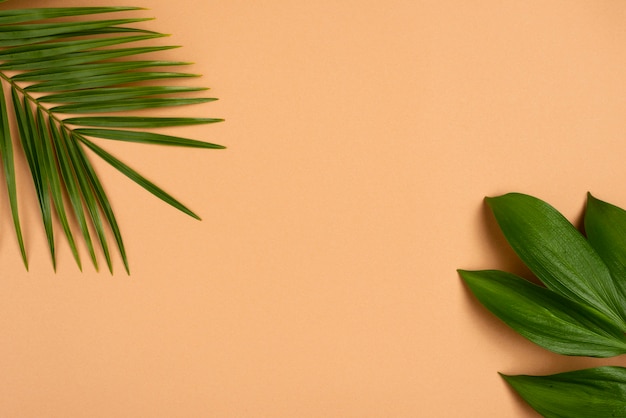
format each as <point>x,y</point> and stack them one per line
<point>362,137</point>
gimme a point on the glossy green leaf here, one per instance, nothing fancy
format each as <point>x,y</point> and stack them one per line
<point>545,317</point>
<point>605,225</point>
<point>591,393</point>
<point>557,253</point>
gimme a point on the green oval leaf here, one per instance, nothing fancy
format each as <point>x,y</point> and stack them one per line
<point>545,317</point>
<point>605,225</point>
<point>557,253</point>
<point>590,393</point>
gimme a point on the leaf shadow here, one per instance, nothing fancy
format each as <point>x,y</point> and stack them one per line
<point>504,257</point>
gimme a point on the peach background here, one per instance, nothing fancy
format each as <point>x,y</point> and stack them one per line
<point>362,137</point>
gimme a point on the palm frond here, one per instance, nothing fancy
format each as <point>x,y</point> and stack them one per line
<point>81,66</point>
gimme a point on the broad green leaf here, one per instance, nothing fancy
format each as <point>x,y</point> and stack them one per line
<point>605,225</point>
<point>114,94</point>
<point>136,177</point>
<point>557,253</point>
<point>6,152</point>
<point>592,393</point>
<point>127,105</point>
<point>545,317</point>
<point>136,121</point>
<point>145,137</point>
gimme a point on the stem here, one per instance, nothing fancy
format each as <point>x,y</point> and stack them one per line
<point>33,100</point>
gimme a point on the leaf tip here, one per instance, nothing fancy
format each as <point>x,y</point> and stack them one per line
<point>591,198</point>
<point>505,377</point>
<point>25,260</point>
<point>469,277</point>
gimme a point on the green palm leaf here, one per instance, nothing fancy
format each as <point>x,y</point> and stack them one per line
<point>81,65</point>
<point>6,152</point>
